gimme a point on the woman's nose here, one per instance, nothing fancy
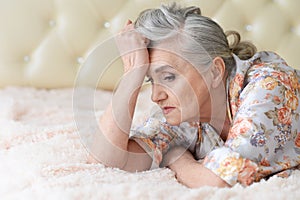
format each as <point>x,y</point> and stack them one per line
<point>158,93</point>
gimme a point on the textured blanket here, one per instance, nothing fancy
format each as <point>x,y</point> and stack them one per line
<point>42,157</point>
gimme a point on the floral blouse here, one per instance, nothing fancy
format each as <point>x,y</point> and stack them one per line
<point>264,138</point>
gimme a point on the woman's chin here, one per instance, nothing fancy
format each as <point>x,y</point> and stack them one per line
<point>173,121</point>
<point>177,121</point>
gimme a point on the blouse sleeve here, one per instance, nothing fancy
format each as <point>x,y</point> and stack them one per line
<point>153,138</point>
<point>156,137</point>
<point>261,129</point>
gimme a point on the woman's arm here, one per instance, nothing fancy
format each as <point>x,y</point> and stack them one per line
<point>111,146</point>
<point>190,172</point>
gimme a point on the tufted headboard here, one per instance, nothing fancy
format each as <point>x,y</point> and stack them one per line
<point>45,43</point>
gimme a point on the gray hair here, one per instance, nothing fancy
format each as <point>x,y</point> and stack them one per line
<point>197,35</point>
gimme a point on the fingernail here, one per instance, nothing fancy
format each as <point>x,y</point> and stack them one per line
<point>128,22</point>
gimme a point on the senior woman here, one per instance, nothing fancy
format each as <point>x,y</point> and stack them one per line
<point>227,114</point>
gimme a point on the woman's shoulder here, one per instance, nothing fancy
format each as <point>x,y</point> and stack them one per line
<point>269,59</point>
<point>263,71</point>
<point>264,64</point>
<point>262,60</point>
<point>270,64</point>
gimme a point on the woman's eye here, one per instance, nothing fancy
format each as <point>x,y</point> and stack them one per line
<point>170,77</point>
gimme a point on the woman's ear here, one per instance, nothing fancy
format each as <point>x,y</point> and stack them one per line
<point>218,71</point>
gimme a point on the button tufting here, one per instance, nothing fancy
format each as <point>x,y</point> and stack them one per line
<point>59,37</point>
<point>249,27</point>
<point>26,59</point>
<point>106,24</point>
<point>80,60</point>
<point>52,23</point>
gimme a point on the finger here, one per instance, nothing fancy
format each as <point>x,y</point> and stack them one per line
<point>128,26</point>
<point>128,22</point>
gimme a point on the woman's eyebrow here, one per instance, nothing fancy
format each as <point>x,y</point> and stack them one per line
<point>162,68</point>
<point>159,69</point>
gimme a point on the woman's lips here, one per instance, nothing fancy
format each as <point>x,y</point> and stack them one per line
<point>167,109</point>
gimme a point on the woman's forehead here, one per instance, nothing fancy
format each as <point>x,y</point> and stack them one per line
<point>162,57</point>
<point>166,57</point>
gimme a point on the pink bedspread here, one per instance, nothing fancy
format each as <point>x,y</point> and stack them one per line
<point>42,157</point>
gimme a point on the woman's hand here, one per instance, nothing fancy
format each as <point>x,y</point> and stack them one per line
<point>132,47</point>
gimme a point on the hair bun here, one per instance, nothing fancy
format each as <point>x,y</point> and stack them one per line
<point>191,10</point>
<point>236,38</point>
<point>243,49</point>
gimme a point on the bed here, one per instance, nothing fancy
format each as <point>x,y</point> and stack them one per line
<point>55,56</point>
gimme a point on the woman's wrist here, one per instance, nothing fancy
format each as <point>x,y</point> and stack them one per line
<point>184,159</point>
<point>134,77</point>
<point>175,157</point>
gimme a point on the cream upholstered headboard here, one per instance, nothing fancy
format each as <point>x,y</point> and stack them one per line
<point>44,43</point>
